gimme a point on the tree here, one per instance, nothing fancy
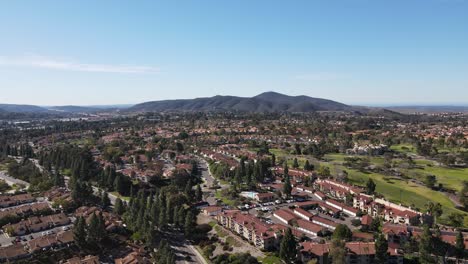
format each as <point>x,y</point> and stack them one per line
<point>288,247</point>
<point>460,245</point>
<point>342,232</point>
<point>307,166</point>
<point>324,171</point>
<point>456,219</point>
<point>198,193</point>
<point>295,163</point>
<point>119,206</point>
<point>59,181</point>
<point>164,255</point>
<point>381,248</point>
<point>375,224</point>
<point>370,186</point>
<point>240,258</point>
<point>105,201</point>
<point>79,233</point>
<point>297,149</point>
<point>338,251</point>
<point>425,247</point>
<point>188,190</point>
<point>96,230</point>
<point>287,188</point>
<point>190,223</point>
<point>430,181</point>
<point>118,184</point>
<point>435,210</point>
<point>463,194</point>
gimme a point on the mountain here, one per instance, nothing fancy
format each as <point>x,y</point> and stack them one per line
<point>265,102</point>
<point>15,108</point>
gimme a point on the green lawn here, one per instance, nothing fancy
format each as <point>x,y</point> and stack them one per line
<point>225,200</point>
<point>279,152</point>
<point>450,177</point>
<point>402,191</point>
<point>339,158</point>
<point>271,260</point>
<point>404,148</point>
<point>124,198</point>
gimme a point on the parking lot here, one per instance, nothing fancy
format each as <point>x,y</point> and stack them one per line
<point>265,212</point>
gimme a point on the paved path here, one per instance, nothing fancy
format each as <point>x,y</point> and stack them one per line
<point>185,252</point>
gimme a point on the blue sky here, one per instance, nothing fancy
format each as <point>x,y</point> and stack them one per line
<point>354,51</point>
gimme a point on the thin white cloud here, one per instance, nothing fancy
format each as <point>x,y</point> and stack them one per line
<point>70,65</point>
<point>320,76</point>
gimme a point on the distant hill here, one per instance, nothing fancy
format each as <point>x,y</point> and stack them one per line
<point>265,102</point>
<point>15,108</point>
<point>73,109</point>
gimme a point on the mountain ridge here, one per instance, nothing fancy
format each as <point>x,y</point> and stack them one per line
<point>264,102</point>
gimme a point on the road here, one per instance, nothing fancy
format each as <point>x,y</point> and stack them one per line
<point>11,180</point>
<point>185,252</point>
<point>209,181</point>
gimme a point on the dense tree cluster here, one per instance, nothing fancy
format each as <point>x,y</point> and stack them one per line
<point>89,235</point>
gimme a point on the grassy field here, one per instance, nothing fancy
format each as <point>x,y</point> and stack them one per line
<point>402,191</point>
<point>271,260</point>
<point>450,177</point>
<point>225,199</point>
<point>404,148</point>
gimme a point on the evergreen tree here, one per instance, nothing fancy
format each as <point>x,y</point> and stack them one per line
<point>118,186</point>
<point>119,206</point>
<point>425,247</point>
<point>287,188</point>
<point>381,248</point>
<point>162,220</point>
<point>59,181</point>
<point>181,216</point>
<point>238,179</point>
<point>189,191</point>
<point>198,193</point>
<point>288,247</point>
<point>105,201</point>
<point>79,233</point>
<point>95,231</point>
<point>190,223</point>
<point>307,166</point>
<point>295,163</point>
<point>154,213</point>
<point>370,186</point>
<point>176,216</point>
<point>460,246</point>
